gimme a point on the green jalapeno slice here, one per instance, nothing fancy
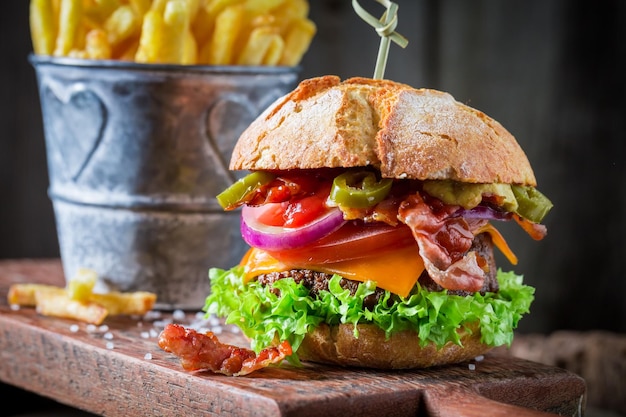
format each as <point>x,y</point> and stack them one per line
<point>532,205</point>
<point>359,189</point>
<point>231,197</point>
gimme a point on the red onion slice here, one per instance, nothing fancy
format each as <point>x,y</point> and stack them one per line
<point>482,212</point>
<point>266,237</point>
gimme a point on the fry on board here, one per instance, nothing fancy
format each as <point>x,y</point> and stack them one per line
<point>78,301</point>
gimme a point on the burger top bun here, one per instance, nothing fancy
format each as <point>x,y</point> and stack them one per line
<point>402,131</point>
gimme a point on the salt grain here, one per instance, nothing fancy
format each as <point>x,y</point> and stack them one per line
<point>179,315</point>
<point>152,315</point>
<point>162,323</point>
<point>145,335</point>
<point>74,328</point>
<point>479,358</point>
<point>200,321</point>
<point>108,336</point>
<point>103,328</point>
<point>15,307</point>
<point>472,367</point>
<point>148,356</point>
<point>153,333</point>
<point>91,328</point>
<point>110,345</point>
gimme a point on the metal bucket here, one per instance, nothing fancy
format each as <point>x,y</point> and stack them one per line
<point>136,155</point>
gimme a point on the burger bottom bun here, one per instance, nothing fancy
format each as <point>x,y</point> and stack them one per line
<point>337,345</point>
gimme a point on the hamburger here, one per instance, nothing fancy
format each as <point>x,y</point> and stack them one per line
<point>369,207</point>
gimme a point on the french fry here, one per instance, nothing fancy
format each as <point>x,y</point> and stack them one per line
<point>56,6</point>
<point>193,6</point>
<point>256,7</point>
<point>24,294</point>
<point>215,7</point>
<point>219,50</point>
<point>140,7</point>
<point>69,23</point>
<point>202,23</point>
<point>290,11</point>
<point>97,46</point>
<point>262,20</point>
<point>159,6</point>
<point>78,301</point>
<point>92,12</point>
<point>61,305</point>
<point>190,50</point>
<point>43,26</point>
<point>176,19</point>
<point>121,25</point>
<point>100,10</point>
<point>81,285</point>
<point>151,37</point>
<point>257,46</point>
<point>274,51</point>
<point>298,40</point>
<point>121,303</point>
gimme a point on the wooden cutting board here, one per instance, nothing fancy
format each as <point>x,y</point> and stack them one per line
<point>119,370</point>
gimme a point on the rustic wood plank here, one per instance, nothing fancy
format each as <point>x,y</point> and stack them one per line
<point>74,365</point>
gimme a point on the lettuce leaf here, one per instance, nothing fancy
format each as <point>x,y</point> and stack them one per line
<point>435,316</point>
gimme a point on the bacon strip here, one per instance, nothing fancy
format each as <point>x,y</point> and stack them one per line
<point>443,243</point>
<point>204,352</point>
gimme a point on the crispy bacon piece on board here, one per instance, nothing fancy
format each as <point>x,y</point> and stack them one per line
<point>203,351</point>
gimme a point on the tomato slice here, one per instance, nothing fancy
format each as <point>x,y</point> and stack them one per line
<point>354,240</point>
<point>272,214</point>
<point>296,212</point>
<point>305,210</point>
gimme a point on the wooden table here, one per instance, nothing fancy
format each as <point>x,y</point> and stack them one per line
<point>120,371</point>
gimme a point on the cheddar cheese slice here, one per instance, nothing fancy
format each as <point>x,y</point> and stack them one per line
<point>395,270</point>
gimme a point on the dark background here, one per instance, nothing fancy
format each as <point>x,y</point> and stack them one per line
<point>552,72</point>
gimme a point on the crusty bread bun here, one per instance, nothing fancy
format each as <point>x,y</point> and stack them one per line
<point>404,132</point>
<point>337,345</point>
